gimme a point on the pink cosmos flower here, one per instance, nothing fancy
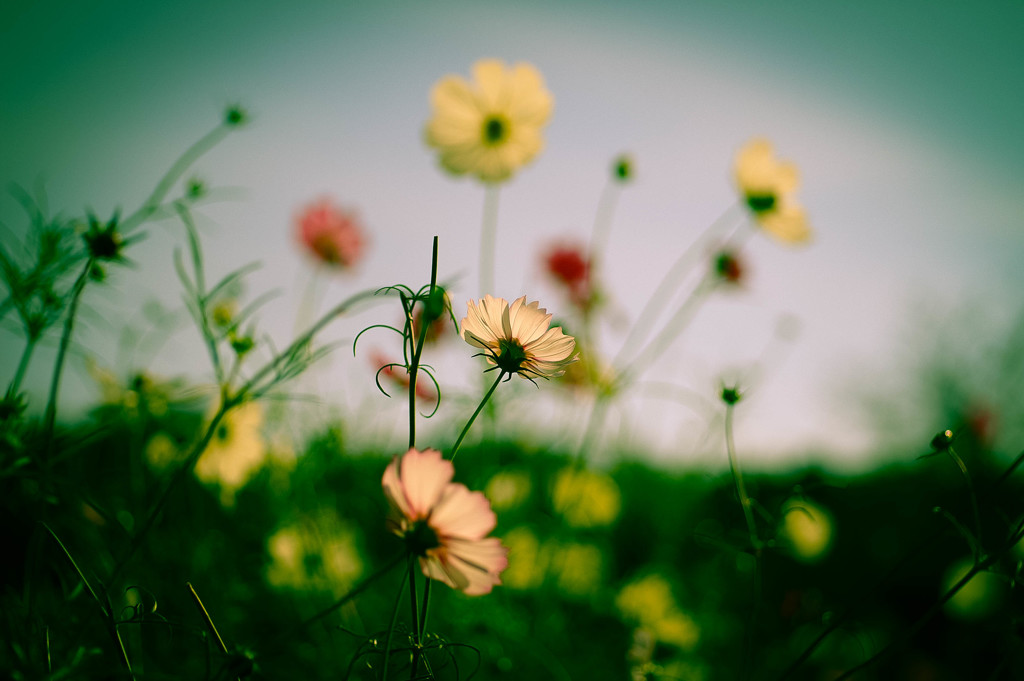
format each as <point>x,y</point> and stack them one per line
<point>443,523</point>
<point>332,234</point>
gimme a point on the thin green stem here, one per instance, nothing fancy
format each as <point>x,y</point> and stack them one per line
<point>974,497</point>
<point>603,222</point>
<point>391,626</point>
<point>755,543</point>
<point>670,282</point>
<point>596,417</point>
<point>58,367</point>
<point>462,435</point>
<point>179,476</point>
<point>660,343</point>
<point>488,238</point>
<point>413,602</point>
<point>173,174</point>
<point>417,352</point>
<point>426,604</point>
<point>26,356</point>
<point>203,319</point>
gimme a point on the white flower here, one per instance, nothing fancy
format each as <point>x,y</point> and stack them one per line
<point>516,338</point>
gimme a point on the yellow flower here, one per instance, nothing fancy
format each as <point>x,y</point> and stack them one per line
<point>579,568</point>
<point>807,530</point>
<point>978,598</point>
<point>527,562</point>
<point>235,452</point>
<point>585,498</point>
<point>648,603</point>
<point>489,127</point>
<point>768,187</point>
<point>516,339</point>
<point>507,489</point>
<point>319,553</point>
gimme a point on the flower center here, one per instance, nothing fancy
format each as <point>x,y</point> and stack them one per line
<point>761,203</point>
<point>511,355</point>
<point>495,130</point>
<point>421,537</point>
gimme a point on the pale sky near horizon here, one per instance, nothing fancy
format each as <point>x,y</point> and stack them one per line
<point>905,119</point>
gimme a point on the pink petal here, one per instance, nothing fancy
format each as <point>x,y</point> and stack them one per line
<point>424,477</point>
<point>462,514</point>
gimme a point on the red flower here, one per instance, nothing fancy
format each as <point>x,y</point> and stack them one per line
<point>332,234</point>
<point>569,265</point>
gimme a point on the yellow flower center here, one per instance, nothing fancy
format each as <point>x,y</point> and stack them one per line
<point>495,129</point>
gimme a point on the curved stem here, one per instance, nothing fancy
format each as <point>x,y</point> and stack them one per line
<point>65,341</point>
<point>177,169</point>
<point>488,237</point>
<point>462,435</point>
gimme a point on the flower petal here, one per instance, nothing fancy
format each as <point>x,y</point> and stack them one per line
<point>462,514</point>
<point>424,476</point>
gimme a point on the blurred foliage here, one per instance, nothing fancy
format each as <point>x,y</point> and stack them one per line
<point>630,573</point>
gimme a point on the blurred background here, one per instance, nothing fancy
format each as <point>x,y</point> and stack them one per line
<point>904,119</point>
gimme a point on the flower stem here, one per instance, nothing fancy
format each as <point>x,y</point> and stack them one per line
<point>755,543</point>
<point>65,341</point>
<point>26,356</point>
<point>186,468</point>
<point>974,497</point>
<point>413,602</point>
<point>391,626</point>
<point>603,221</point>
<point>191,155</point>
<point>657,301</point>
<point>488,237</point>
<point>414,366</point>
<point>462,435</point>
<point>426,604</point>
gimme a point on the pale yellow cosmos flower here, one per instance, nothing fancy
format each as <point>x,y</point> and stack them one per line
<point>806,530</point>
<point>517,339</point>
<point>586,498</point>
<point>491,126</point>
<point>768,187</point>
<point>648,602</point>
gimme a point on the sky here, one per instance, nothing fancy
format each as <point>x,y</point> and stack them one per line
<point>904,119</point>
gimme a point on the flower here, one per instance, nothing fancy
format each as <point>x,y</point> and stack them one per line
<point>728,267</point>
<point>236,451</point>
<point>806,530</point>
<point>333,235</point>
<point>489,127</point>
<point>768,186</point>
<point>569,265</point>
<point>586,498</point>
<point>443,522</point>
<point>648,602</point>
<point>516,338</point>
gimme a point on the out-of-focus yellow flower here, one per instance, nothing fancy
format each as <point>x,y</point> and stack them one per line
<point>578,567</point>
<point>806,530</point>
<point>236,451</point>
<point>648,602</point>
<point>586,498</point>
<point>508,489</point>
<point>977,598</point>
<point>489,127</point>
<point>321,553</point>
<point>527,563</point>
<point>140,390</point>
<point>161,451</point>
<point>768,187</point>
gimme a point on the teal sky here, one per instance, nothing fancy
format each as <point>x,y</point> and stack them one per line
<point>905,119</point>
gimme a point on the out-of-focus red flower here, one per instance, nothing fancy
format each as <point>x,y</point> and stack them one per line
<point>398,376</point>
<point>332,234</point>
<point>569,265</point>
